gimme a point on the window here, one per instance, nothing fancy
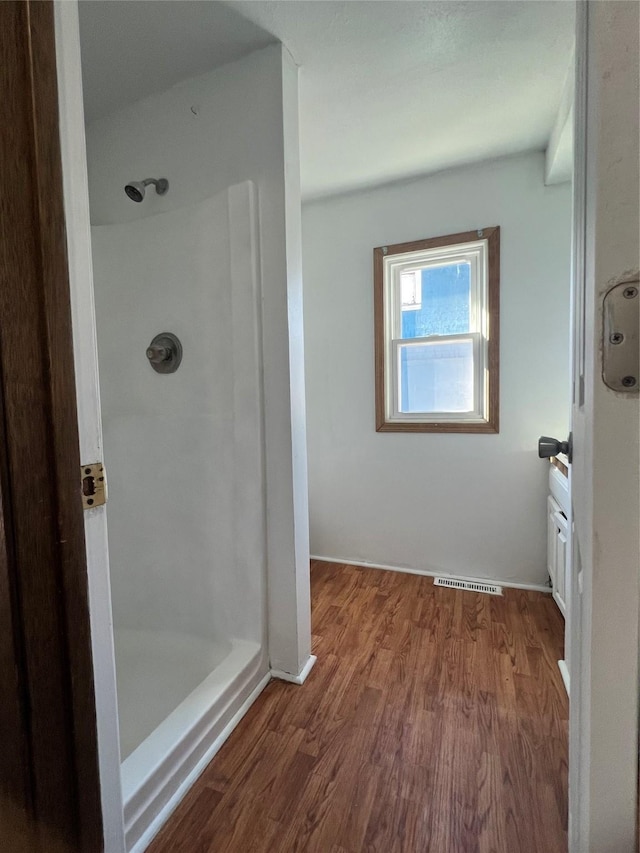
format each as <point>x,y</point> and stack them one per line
<point>436,334</point>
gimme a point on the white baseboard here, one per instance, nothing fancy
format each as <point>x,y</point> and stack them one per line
<point>301,677</point>
<point>428,573</point>
<point>564,672</point>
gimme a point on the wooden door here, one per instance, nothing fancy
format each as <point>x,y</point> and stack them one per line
<point>49,785</point>
<point>605,584</point>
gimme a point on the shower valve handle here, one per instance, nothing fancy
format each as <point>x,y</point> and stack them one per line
<point>157,354</point>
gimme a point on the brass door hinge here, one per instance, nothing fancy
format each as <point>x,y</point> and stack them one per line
<point>94,485</point>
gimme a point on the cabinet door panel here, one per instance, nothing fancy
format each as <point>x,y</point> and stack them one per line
<point>560,584</point>
<point>561,563</point>
<point>552,532</point>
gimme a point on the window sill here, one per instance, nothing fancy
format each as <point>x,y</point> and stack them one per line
<point>489,427</point>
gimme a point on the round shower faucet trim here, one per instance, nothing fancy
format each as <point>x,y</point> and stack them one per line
<point>164,353</point>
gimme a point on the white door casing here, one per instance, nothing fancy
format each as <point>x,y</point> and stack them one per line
<point>605,593</point>
<point>76,202</point>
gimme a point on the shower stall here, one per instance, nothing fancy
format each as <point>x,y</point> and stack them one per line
<point>182,209</point>
<point>186,514</point>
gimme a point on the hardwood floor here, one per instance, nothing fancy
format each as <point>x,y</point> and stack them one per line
<point>435,721</point>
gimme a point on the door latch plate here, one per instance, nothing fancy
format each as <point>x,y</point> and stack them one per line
<point>94,485</point>
<point>620,339</point>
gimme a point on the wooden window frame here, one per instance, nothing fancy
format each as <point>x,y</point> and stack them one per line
<point>491,423</point>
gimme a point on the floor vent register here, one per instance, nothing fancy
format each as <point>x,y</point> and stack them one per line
<point>472,586</point>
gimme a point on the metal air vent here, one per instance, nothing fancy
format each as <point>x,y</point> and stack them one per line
<point>471,586</point>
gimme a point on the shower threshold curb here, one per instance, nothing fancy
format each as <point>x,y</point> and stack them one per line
<point>149,803</point>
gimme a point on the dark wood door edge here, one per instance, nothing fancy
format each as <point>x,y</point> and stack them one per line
<point>49,578</point>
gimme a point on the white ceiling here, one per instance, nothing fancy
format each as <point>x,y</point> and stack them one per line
<point>133,48</point>
<point>388,88</point>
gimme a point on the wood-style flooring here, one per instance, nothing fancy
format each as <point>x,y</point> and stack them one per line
<point>435,721</point>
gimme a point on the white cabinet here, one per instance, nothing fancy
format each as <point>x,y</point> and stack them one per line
<point>557,534</point>
<point>558,553</point>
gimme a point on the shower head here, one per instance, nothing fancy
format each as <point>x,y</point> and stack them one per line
<point>136,189</point>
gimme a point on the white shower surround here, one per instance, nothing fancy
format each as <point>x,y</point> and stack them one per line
<point>184,451</point>
<point>184,455</point>
<point>202,155</point>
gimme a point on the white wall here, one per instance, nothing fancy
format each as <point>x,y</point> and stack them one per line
<point>289,610</point>
<point>204,135</point>
<point>470,505</point>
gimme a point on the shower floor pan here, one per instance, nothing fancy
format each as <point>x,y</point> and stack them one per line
<point>156,670</point>
<point>179,697</point>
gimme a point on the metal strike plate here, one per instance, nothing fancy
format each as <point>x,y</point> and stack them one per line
<point>94,485</point>
<point>620,341</point>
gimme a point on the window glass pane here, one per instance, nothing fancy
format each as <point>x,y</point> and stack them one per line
<point>436,377</point>
<point>436,300</point>
<point>411,290</point>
